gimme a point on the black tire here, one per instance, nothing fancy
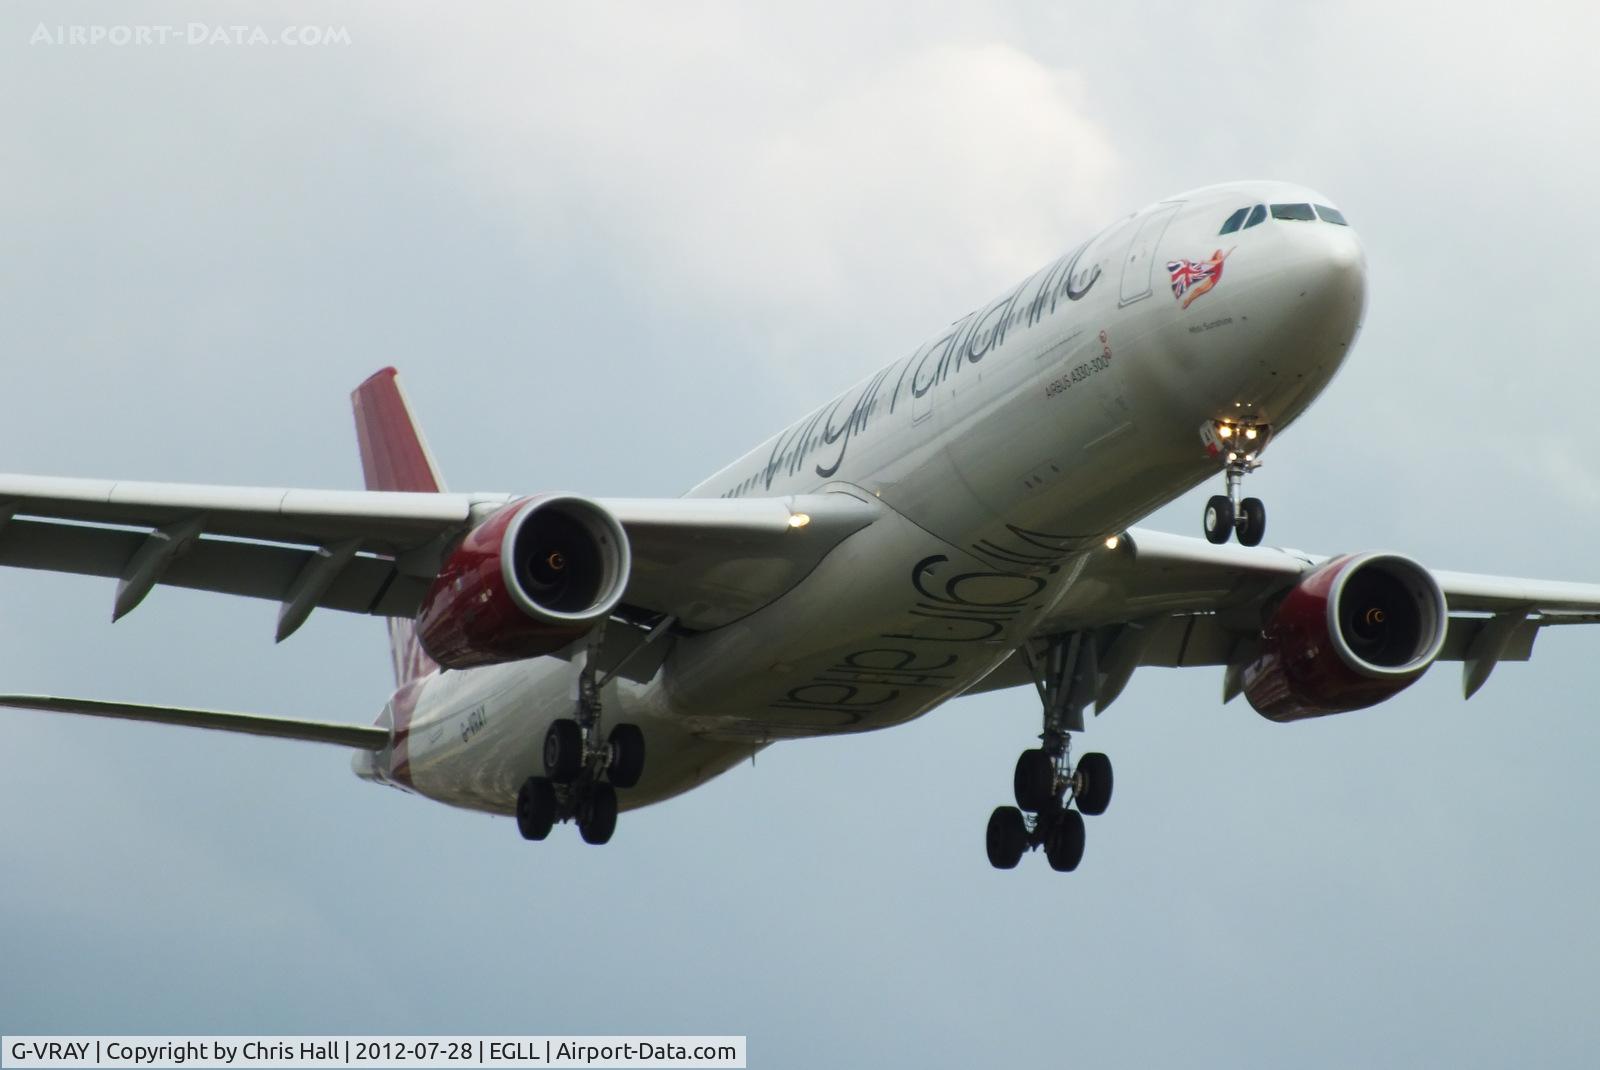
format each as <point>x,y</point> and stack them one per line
<point>1093,783</point>
<point>1034,781</point>
<point>563,751</point>
<point>597,814</point>
<point>1064,848</point>
<point>1218,519</point>
<point>536,808</point>
<point>1252,522</point>
<point>1007,837</point>
<point>627,755</point>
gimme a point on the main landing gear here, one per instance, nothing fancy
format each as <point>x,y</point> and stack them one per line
<point>1046,783</point>
<point>1239,444</point>
<point>576,759</point>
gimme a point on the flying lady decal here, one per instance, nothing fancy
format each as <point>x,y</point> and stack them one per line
<point>1192,278</point>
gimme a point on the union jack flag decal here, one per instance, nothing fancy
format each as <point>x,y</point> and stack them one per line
<point>1193,278</point>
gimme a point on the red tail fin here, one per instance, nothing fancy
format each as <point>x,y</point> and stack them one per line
<point>393,453</point>
<point>394,456</point>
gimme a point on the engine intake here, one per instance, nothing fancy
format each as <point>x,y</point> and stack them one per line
<point>535,576</point>
<point>1354,632</point>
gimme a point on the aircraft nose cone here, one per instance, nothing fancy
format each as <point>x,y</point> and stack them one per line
<point>1344,267</point>
<point>1329,283</point>
<point>1305,296</point>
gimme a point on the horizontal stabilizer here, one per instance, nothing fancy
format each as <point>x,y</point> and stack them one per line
<point>362,737</point>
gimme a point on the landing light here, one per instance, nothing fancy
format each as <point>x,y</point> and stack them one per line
<point>1224,431</point>
<point>1232,457</point>
<point>799,520</point>
<point>1111,543</point>
<point>1250,432</point>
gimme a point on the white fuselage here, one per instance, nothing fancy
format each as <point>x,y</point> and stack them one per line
<point>1005,451</point>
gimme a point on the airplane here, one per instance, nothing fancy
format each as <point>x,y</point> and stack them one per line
<point>962,520</point>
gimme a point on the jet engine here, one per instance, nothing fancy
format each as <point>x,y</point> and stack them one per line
<point>537,575</point>
<point>1352,633</point>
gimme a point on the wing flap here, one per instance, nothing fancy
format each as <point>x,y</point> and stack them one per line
<point>703,561</point>
<point>1156,573</point>
<point>1203,604</point>
<point>1184,641</point>
<point>1152,573</point>
<point>360,737</point>
<point>385,521</point>
<point>1470,592</point>
<point>366,584</point>
<point>710,561</point>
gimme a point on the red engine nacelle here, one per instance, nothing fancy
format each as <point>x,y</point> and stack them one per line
<point>531,579</point>
<point>1355,631</point>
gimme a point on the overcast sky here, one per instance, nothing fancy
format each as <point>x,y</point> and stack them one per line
<point>612,246</point>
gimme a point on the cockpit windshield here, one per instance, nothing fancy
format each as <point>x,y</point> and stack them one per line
<point>1251,215</point>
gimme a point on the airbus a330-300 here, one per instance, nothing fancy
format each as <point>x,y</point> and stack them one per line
<point>960,521</point>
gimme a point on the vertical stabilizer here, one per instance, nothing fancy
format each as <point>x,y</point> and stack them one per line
<point>394,456</point>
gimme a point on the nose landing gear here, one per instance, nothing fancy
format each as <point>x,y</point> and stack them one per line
<point>1046,783</point>
<point>1239,444</point>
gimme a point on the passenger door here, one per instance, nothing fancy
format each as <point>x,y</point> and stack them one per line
<point>1138,267</point>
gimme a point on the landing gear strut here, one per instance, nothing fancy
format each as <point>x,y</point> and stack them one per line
<point>582,771</point>
<point>1239,444</point>
<point>1046,783</point>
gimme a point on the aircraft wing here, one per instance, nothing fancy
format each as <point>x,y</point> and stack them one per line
<point>1169,600</point>
<point>703,561</point>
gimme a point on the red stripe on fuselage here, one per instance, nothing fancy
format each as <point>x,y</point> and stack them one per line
<point>401,708</point>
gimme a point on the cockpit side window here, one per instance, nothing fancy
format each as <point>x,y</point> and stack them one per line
<point>1257,214</point>
<point>1235,221</point>
<point>1301,212</point>
<point>1332,215</point>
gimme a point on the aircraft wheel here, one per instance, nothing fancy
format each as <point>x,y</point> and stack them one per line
<point>563,751</point>
<point>1064,848</point>
<point>1252,521</point>
<point>1092,783</point>
<point>597,814</point>
<point>1007,837</point>
<point>627,755</point>
<point>1218,519</point>
<point>1034,780</point>
<point>536,808</point>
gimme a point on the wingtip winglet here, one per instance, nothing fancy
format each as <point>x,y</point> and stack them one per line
<point>394,454</point>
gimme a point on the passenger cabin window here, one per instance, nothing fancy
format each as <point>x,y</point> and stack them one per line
<point>1293,211</point>
<point>1257,214</point>
<point>1332,215</point>
<point>1234,222</point>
